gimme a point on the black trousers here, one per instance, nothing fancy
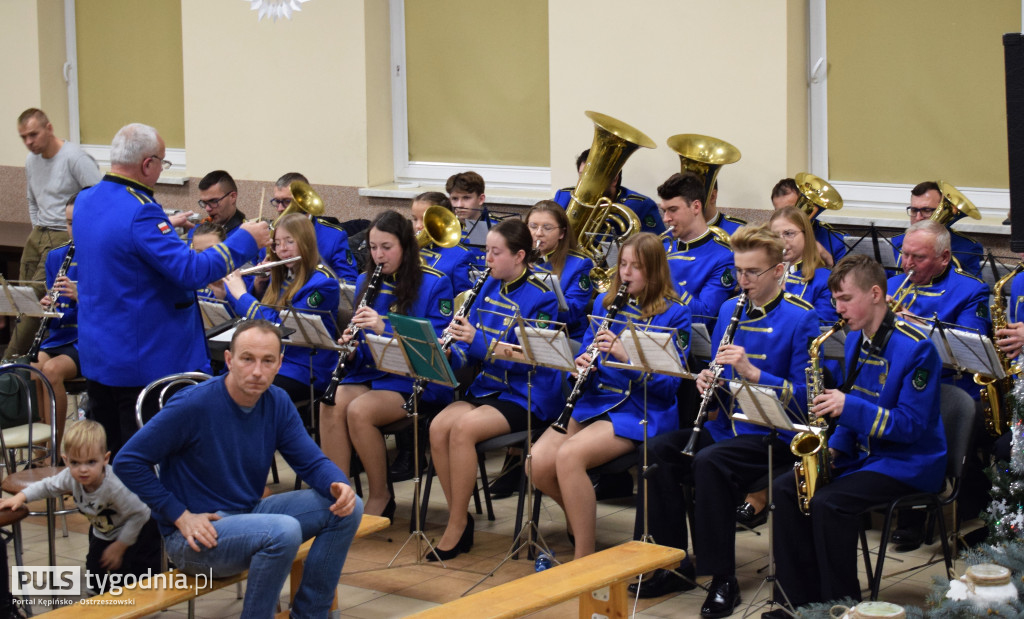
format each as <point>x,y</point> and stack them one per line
<point>816,554</point>
<point>667,470</point>
<point>114,409</point>
<point>142,556</point>
<point>725,472</point>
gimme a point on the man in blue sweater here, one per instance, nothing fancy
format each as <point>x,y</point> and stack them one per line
<point>214,443</point>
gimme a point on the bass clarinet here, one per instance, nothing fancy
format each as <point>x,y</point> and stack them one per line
<point>716,371</point>
<point>446,340</point>
<point>369,296</point>
<point>562,423</point>
<point>33,351</point>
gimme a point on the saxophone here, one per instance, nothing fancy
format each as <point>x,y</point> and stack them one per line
<point>815,466</point>
<point>994,390</point>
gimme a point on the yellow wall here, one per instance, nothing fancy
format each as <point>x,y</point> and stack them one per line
<point>916,90</point>
<point>52,55</point>
<point>19,66</point>
<point>716,68</point>
<point>264,98</point>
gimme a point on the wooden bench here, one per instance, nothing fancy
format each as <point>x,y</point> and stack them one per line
<point>598,580</point>
<point>148,601</point>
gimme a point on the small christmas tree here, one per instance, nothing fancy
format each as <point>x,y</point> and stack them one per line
<point>1005,514</point>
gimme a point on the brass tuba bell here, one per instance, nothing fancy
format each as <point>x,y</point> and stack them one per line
<point>304,200</point>
<point>440,227</point>
<point>593,216</point>
<point>703,156</point>
<point>815,194</point>
<point>954,206</point>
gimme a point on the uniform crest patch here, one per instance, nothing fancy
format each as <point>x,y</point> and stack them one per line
<point>542,318</point>
<point>982,310</point>
<point>649,221</point>
<point>727,278</point>
<point>585,282</point>
<point>315,299</point>
<point>920,379</point>
<point>163,227</point>
<point>682,339</point>
<point>445,305</point>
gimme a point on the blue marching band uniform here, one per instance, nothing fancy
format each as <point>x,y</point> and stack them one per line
<point>890,442</point>
<point>434,303</point>
<point>726,222</point>
<point>492,314</point>
<point>454,262</point>
<point>577,290</point>
<point>702,270</point>
<point>815,291</point>
<point>320,296</point>
<point>332,242</point>
<point>645,208</point>
<point>64,330</point>
<point>620,393</point>
<point>967,252</point>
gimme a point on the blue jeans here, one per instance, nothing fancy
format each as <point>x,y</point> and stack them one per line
<point>265,541</point>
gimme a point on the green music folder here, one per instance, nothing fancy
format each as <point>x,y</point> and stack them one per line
<point>422,349</point>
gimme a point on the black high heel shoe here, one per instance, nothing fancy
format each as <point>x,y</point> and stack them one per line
<point>464,544</point>
<point>389,509</point>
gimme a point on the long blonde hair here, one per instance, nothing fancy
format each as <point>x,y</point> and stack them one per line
<point>650,253</point>
<point>811,260</point>
<point>301,229</point>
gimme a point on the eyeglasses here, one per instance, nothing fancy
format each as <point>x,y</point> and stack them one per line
<point>790,234</point>
<point>281,202</point>
<point>546,228</point>
<point>913,211</point>
<point>753,273</point>
<point>166,165</point>
<point>213,202</point>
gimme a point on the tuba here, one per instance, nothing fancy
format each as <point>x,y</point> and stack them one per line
<point>994,390</point>
<point>703,156</point>
<point>816,195</point>
<point>954,206</point>
<point>440,227</point>
<point>815,466</point>
<point>593,216</point>
<point>304,200</point>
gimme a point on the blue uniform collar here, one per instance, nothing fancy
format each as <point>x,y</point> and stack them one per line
<point>128,182</point>
<point>940,277</point>
<point>684,246</point>
<point>516,283</point>
<point>758,312</point>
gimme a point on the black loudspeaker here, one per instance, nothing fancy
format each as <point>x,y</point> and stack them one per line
<point>1013,46</point>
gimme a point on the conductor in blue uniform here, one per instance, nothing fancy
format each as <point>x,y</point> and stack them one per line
<point>138,319</point>
<point>888,440</point>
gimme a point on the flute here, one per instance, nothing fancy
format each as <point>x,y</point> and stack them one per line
<point>266,266</point>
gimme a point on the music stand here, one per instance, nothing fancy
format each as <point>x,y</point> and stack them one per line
<point>542,343</point>
<point>423,358</point>
<point>552,282</point>
<point>22,301</point>
<point>875,246</point>
<point>307,330</point>
<point>763,408</point>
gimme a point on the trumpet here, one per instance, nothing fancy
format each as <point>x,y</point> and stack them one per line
<point>369,296</point>
<point>562,423</point>
<point>265,267</point>
<point>900,294</point>
<point>716,370</point>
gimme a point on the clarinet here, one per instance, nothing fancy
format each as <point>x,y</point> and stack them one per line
<point>33,351</point>
<point>446,340</point>
<point>716,370</point>
<point>561,424</point>
<point>369,296</point>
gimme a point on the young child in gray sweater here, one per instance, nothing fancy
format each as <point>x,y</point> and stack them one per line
<point>117,516</point>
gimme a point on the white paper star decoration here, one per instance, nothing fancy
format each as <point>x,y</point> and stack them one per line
<point>275,8</point>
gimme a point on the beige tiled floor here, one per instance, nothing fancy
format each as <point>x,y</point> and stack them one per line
<point>369,590</point>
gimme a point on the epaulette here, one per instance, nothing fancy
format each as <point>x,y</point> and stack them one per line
<point>330,222</point>
<point>827,227</point>
<point>735,220</point>
<point>633,196</point>
<point>62,245</point>
<point>326,270</point>
<point>676,300</point>
<point>578,254</point>
<point>961,235</point>
<point>141,197</point>
<point>966,274</point>
<point>433,271</point>
<point>536,282</point>
<point>721,236</point>
<point>797,301</point>
<point>910,331</point>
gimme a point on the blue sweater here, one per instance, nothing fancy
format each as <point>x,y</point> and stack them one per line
<point>214,456</point>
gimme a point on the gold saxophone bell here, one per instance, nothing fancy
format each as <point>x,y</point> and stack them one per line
<point>440,227</point>
<point>954,206</point>
<point>703,156</point>
<point>594,217</point>
<point>304,200</point>
<point>815,195</point>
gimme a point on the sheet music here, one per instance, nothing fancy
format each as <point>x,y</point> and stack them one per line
<point>835,346</point>
<point>554,285</point>
<point>214,313</point>
<point>657,348</point>
<point>388,354</point>
<point>224,336</point>
<point>307,326</point>
<point>761,407</point>
<point>25,303</point>
<point>549,348</point>
<point>348,295</point>
<point>971,351</point>
<point>700,341</point>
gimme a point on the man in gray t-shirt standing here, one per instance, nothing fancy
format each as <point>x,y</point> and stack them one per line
<point>55,170</point>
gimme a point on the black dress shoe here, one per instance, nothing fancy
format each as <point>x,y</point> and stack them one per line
<point>746,516</point>
<point>778,613</point>
<point>663,582</point>
<point>723,596</point>
<point>464,544</point>
<point>402,469</point>
<point>907,539</point>
<point>507,483</point>
<point>614,486</point>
